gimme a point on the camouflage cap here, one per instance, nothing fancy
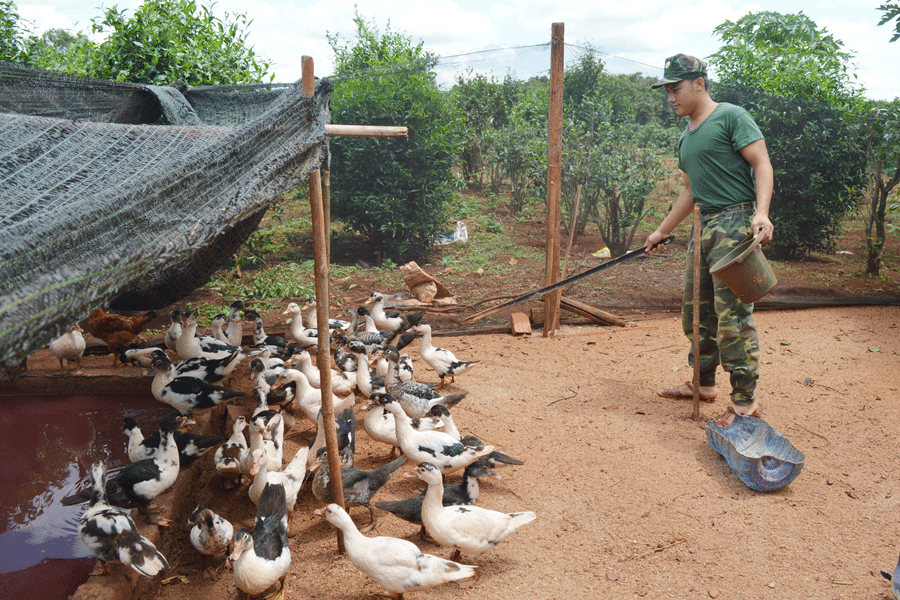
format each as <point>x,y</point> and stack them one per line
<point>680,67</point>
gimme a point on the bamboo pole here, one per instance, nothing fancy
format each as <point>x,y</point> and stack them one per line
<point>554,174</point>
<point>336,130</point>
<point>565,268</point>
<point>696,306</point>
<point>324,354</point>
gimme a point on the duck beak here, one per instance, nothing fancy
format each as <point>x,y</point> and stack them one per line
<point>319,512</point>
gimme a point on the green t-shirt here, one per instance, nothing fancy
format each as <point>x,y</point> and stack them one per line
<point>720,177</point>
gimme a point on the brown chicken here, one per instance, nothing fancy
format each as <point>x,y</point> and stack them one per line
<point>117,330</point>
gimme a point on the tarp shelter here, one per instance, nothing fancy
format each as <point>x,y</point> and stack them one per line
<point>130,196</point>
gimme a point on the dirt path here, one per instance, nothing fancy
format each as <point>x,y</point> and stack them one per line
<point>631,500</point>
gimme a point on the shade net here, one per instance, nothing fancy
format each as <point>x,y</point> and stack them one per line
<point>131,196</point>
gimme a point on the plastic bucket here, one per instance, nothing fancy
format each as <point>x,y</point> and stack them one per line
<point>746,271</point>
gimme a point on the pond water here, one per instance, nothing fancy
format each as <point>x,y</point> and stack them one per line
<point>46,451</point>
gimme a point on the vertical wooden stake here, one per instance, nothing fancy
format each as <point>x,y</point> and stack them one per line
<point>565,267</point>
<point>321,271</point>
<point>696,305</point>
<point>554,174</point>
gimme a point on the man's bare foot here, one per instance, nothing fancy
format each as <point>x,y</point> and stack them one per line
<point>686,391</point>
<point>745,410</point>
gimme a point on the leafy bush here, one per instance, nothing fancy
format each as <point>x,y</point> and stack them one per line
<point>394,192</point>
<point>819,166</point>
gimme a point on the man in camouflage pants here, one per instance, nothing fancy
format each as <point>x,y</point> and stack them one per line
<point>726,170</point>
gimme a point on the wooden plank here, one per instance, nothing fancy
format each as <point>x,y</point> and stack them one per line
<point>591,312</point>
<point>519,323</point>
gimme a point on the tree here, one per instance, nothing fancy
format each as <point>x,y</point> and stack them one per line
<point>785,55</point>
<point>794,79</point>
<point>11,34</point>
<point>486,105</point>
<point>393,192</point>
<point>883,153</point>
<point>175,40</point>
<point>891,12</point>
<point>59,50</point>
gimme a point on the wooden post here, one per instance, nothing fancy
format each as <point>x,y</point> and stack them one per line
<point>696,306</point>
<point>321,273</point>
<point>554,174</point>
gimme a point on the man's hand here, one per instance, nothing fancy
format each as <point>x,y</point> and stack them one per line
<point>762,224</point>
<point>654,238</point>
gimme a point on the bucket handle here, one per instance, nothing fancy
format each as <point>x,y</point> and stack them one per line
<point>750,248</point>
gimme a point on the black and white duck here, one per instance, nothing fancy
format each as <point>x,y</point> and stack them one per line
<point>275,343</point>
<point>262,558</point>
<point>415,397</point>
<point>359,486</point>
<point>217,328</point>
<point>185,394</point>
<point>392,320</point>
<point>433,446</point>
<point>210,370</point>
<point>103,528</point>
<point>229,455</point>
<point>443,361</point>
<point>139,483</point>
<point>395,564</point>
<point>210,535</point>
<point>191,446</point>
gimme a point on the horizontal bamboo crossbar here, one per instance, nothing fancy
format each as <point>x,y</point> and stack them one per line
<point>366,130</point>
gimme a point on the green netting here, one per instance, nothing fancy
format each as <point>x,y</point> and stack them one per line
<point>131,196</point>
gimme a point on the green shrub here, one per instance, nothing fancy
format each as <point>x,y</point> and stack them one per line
<point>819,166</point>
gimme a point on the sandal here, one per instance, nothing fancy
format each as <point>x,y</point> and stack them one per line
<point>674,391</point>
<point>725,419</point>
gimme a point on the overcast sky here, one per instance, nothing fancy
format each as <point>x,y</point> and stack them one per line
<point>634,36</point>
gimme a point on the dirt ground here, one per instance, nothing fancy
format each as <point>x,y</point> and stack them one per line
<point>631,500</point>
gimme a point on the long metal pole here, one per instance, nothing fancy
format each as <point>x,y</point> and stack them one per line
<point>554,174</point>
<point>324,354</point>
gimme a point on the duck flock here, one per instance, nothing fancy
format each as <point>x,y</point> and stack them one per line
<point>369,373</point>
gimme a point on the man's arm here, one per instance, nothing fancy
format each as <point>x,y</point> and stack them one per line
<point>683,206</point>
<point>757,155</point>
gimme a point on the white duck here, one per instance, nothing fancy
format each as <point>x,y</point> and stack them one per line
<point>234,330</point>
<point>174,330</point>
<point>304,336</point>
<point>433,446</point>
<point>309,398</point>
<point>440,359</point>
<point>190,346</point>
<point>217,326</point>
<point>397,565</point>
<point>470,529</point>
<point>339,383</point>
<point>312,316</point>
<point>263,558</point>
<point>229,455</point>
<point>210,534</point>
<point>380,426</point>
<point>69,346</point>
